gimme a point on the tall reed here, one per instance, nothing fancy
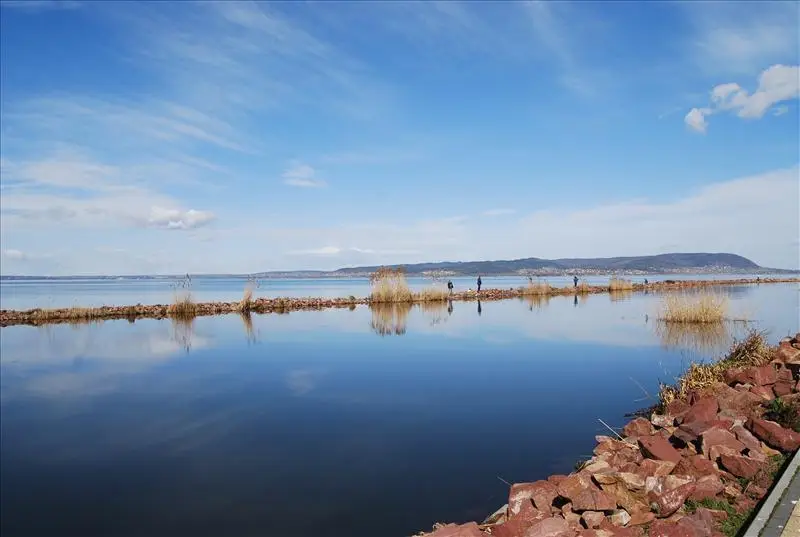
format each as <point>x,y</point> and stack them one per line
<point>693,308</point>
<point>389,285</point>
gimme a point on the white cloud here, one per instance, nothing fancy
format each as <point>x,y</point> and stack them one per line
<point>498,212</point>
<point>301,175</point>
<point>178,219</point>
<point>14,254</point>
<point>741,37</point>
<point>776,84</point>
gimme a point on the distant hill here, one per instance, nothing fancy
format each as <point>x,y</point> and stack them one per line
<point>662,263</point>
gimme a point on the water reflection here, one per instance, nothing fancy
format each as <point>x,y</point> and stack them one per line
<point>435,311</point>
<point>247,323</point>
<point>389,319</point>
<point>536,301</point>
<point>620,295</point>
<point>701,338</point>
<point>183,332</point>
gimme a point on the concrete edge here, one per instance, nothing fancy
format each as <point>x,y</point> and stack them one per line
<point>764,514</point>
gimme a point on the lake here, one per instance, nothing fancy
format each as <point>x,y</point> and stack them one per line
<point>324,423</point>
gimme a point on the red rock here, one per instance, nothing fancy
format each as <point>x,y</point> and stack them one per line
<point>755,492</point>
<point>783,387</point>
<point>717,515</point>
<point>626,532</point>
<point>556,479</point>
<point>719,437</point>
<point>517,524</point>
<point>661,528</point>
<point>632,502</point>
<point>695,466</point>
<point>573,485</point>
<point>764,392</point>
<point>746,437</point>
<point>633,482</point>
<point>705,409</point>
<point>674,481</point>
<point>669,502</point>
<point>592,519</point>
<point>656,447</point>
<point>592,499</point>
<point>787,354</point>
<point>743,504</point>
<point>736,402</point>
<point>716,451</point>
<point>701,521</point>
<point>641,518</point>
<point>541,493</point>
<point>654,468</point>
<point>739,465</point>
<point>677,408</point>
<point>550,527</point>
<point>785,373</point>
<point>774,435</point>
<point>690,431</point>
<point>638,427</point>
<point>469,529</point>
<point>662,420</point>
<point>707,487</point>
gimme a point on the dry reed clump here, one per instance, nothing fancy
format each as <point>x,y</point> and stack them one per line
<point>619,284</point>
<point>753,350</point>
<point>246,304</point>
<point>689,308</point>
<point>582,288</point>
<point>73,313</point>
<point>536,288</point>
<point>389,285</point>
<point>434,293</point>
<point>183,307</point>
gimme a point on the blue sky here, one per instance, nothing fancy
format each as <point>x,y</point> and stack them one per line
<point>240,137</point>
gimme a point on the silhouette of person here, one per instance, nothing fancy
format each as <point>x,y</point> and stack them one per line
<point>575,281</point>
<point>450,286</point>
<point>479,307</point>
<point>645,281</point>
<point>479,283</point>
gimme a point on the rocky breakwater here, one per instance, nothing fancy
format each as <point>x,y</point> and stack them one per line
<point>696,467</point>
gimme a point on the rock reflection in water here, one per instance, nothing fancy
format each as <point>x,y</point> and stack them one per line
<point>702,338</point>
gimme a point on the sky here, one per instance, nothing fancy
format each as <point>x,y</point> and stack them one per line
<point>237,137</point>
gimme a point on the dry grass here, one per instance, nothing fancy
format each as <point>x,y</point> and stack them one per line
<point>246,303</point>
<point>693,308</point>
<point>536,288</point>
<point>390,318</point>
<point>582,288</point>
<point>183,307</point>
<point>753,350</point>
<point>619,284</point>
<point>434,293</point>
<point>74,314</point>
<point>389,286</point>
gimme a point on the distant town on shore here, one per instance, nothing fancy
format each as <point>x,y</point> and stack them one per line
<point>672,263</point>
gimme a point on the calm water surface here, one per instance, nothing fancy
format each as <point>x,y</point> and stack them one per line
<point>331,423</point>
<point>26,294</point>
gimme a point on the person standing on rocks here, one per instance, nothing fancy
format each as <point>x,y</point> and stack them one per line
<point>479,283</point>
<point>450,286</point>
<point>575,281</point>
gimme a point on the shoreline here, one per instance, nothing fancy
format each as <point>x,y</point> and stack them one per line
<point>701,462</point>
<point>40,316</point>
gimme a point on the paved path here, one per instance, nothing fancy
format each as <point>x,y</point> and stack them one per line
<point>792,528</point>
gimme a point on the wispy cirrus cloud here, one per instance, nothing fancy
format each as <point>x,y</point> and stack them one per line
<point>776,84</point>
<point>740,38</point>
<point>40,5</point>
<point>302,175</point>
<point>499,212</point>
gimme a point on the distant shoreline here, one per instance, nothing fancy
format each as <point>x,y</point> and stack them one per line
<point>39,316</point>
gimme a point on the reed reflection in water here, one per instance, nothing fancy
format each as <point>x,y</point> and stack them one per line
<point>702,338</point>
<point>390,318</point>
